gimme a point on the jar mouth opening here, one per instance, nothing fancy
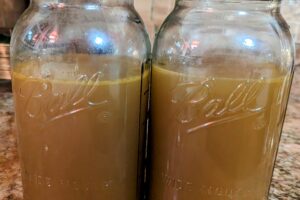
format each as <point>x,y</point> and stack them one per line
<point>234,4</point>
<point>80,2</point>
<point>235,1</point>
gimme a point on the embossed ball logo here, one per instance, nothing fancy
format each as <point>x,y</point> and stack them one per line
<point>41,102</point>
<point>194,102</point>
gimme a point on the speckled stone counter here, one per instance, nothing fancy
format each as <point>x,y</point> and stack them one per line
<point>285,183</point>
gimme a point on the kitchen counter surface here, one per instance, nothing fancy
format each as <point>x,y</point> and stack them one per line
<point>285,183</point>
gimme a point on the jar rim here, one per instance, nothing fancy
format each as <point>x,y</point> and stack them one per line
<point>245,4</point>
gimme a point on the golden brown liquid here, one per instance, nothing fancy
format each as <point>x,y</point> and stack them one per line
<point>215,131</point>
<point>79,126</point>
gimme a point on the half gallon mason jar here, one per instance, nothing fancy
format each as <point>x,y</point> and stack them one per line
<point>221,76</point>
<point>80,81</point>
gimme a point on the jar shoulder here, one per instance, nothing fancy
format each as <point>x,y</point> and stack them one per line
<point>107,30</point>
<point>197,33</point>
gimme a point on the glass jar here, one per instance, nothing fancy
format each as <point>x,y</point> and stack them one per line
<point>80,80</point>
<point>221,76</point>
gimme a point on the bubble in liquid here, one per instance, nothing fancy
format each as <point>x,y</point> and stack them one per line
<point>46,148</point>
<point>104,116</point>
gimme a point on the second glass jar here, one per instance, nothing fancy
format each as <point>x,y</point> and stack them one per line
<point>221,76</point>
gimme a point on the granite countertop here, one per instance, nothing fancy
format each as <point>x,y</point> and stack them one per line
<point>286,178</point>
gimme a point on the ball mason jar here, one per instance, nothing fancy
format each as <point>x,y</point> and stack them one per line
<point>80,73</point>
<point>221,76</point>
